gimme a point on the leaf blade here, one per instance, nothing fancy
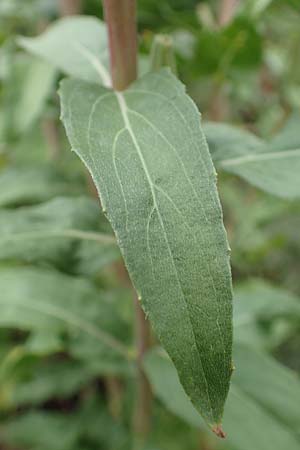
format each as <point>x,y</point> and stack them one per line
<point>163,217</point>
<point>75,45</point>
<point>271,166</point>
<point>49,302</point>
<point>253,416</point>
<point>47,232</point>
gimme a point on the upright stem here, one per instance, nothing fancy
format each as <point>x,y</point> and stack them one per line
<point>70,7</point>
<point>120,16</point>
<point>51,134</point>
<point>143,406</point>
<point>219,107</point>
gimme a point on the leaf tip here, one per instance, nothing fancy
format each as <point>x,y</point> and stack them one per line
<point>217,429</point>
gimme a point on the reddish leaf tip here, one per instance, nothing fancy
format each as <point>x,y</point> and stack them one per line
<point>219,431</point>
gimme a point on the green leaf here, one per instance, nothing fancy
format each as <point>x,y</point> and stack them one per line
<point>261,391</point>
<point>26,86</point>
<point>166,386</point>
<point>78,47</point>
<point>47,232</point>
<point>145,150</point>
<point>227,141</point>
<point>45,380</point>
<point>35,84</point>
<point>273,166</point>
<point>75,45</point>
<point>258,303</point>
<point>92,255</point>
<point>238,46</point>
<point>30,185</point>
<point>88,428</point>
<point>40,300</point>
<point>55,431</point>
<point>32,148</point>
<point>274,387</point>
<point>255,8</point>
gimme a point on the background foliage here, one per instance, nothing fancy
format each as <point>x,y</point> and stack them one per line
<point>67,335</point>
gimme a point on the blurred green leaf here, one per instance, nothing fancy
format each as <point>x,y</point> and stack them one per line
<point>228,141</point>
<point>37,82</point>
<point>294,4</point>
<point>272,166</point>
<point>27,84</point>
<point>238,46</point>
<point>32,149</point>
<point>44,380</point>
<point>274,387</point>
<point>29,185</point>
<point>91,256</point>
<point>36,430</point>
<point>70,308</point>
<point>257,305</point>
<point>253,416</point>
<point>75,45</point>
<point>47,232</point>
<point>78,47</point>
<point>88,428</point>
<point>254,8</point>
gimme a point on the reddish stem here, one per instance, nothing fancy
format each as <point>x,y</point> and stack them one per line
<point>70,7</point>
<point>120,16</point>
<point>143,406</point>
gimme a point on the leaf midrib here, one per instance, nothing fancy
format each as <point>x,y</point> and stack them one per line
<point>152,187</point>
<point>94,61</point>
<point>123,108</point>
<point>260,157</point>
<point>67,233</point>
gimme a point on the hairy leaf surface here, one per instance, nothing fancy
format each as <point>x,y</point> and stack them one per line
<point>149,159</point>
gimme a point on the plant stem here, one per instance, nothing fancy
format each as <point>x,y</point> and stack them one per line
<point>143,407</point>
<point>219,107</point>
<point>120,16</point>
<point>51,133</point>
<point>70,7</point>
<point>114,390</point>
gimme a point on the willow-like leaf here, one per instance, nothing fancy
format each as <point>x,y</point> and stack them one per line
<point>149,159</point>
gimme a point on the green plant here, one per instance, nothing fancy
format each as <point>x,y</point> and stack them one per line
<point>144,145</point>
